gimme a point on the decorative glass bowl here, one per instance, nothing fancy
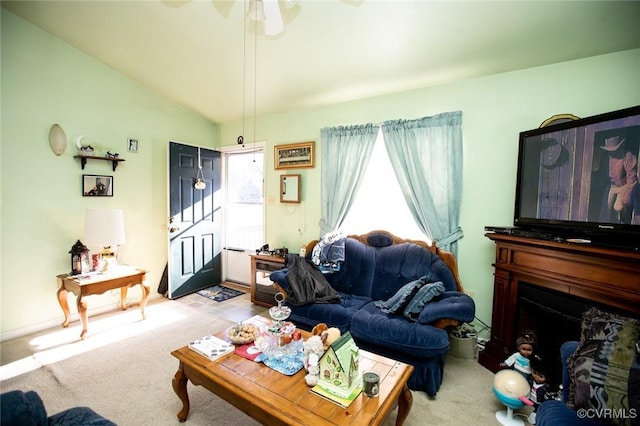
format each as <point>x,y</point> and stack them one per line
<point>279,312</point>
<point>272,345</point>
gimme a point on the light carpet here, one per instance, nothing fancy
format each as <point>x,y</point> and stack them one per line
<point>123,370</point>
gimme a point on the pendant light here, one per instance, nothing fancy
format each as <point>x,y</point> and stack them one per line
<point>254,13</point>
<point>200,183</point>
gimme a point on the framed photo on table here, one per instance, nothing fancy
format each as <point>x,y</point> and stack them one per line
<point>294,156</point>
<point>97,186</point>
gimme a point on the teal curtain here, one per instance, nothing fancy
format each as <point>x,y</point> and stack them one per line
<point>345,154</point>
<point>426,155</point>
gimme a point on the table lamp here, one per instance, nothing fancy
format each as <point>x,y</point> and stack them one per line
<point>105,228</point>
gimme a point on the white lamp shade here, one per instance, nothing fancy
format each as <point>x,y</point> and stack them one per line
<point>104,227</point>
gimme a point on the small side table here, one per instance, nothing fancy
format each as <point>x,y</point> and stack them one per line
<point>262,289</point>
<point>86,285</point>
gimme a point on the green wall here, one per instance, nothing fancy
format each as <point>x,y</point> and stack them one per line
<point>45,81</point>
<point>495,109</point>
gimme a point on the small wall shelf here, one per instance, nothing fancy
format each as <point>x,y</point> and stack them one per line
<point>83,160</point>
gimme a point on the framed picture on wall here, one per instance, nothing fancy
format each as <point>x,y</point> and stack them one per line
<point>97,186</point>
<point>132,145</point>
<point>294,156</point>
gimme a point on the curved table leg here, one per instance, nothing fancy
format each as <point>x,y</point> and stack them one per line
<point>145,295</point>
<point>123,298</point>
<point>404,405</point>
<point>62,299</point>
<point>179,383</point>
<point>82,310</point>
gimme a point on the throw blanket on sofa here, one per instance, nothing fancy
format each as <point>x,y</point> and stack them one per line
<point>307,284</point>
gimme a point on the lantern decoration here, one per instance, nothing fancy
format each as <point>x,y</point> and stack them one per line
<point>79,259</point>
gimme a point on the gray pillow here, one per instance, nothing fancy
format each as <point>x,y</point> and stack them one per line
<point>396,303</point>
<point>421,298</point>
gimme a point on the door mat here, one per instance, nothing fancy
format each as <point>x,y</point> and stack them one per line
<point>219,293</point>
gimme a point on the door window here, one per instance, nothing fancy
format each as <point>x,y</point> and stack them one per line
<point>244,218</point>
<point>244,212</point>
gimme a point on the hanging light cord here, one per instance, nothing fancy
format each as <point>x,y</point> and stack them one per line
<point>255,84</point>
<point>244,72</point>
<point>200,175</point>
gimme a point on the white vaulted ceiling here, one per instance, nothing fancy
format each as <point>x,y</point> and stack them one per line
<point>195,52</point>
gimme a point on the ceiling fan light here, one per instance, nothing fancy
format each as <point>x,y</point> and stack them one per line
<point>256,10</point>
<point>273,24</point>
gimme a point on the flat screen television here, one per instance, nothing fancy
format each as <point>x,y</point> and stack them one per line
<point>578,179</point>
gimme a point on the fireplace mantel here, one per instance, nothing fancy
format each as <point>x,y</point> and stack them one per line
<point>595,274</point>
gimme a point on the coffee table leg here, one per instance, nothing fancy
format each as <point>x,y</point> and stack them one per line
<point>404,405</point>
<point>179,383</point>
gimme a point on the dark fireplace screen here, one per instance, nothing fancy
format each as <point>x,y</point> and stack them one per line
<point>554,317</point>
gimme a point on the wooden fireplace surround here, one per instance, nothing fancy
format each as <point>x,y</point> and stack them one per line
<point>604,276</point>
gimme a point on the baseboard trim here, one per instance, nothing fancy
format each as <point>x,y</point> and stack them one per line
<point>52,323</point>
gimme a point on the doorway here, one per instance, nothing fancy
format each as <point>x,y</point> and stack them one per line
<point>194,219</point>
<point>243,211</point>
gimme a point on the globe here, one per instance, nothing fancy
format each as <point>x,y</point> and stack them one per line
<point>509,387</point>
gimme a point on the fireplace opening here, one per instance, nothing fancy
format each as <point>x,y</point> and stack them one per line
<point>555,318</point>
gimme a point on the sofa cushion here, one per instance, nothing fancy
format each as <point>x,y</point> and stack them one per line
<point>450,304</point>
<point>413,339</point>
<point>604,371</point>
<point>396,303</point>
<point>357,271</point>
<point>334,314</point>
<point>400,264</point>
<point>426,293</point>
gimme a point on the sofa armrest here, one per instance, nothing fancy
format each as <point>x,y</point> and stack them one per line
<point>22,408</point>
<point>554,413</point>
<point>79,416</point>
<point>566,350</point>
<point>450,308</point>
<point>280,278</point>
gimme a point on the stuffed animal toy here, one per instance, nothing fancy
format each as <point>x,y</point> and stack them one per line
<point>319,329</point>
<point>329,336</point>
<point>313,350</point>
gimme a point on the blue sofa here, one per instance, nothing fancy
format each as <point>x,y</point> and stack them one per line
<point>27,409</point>
<point>377,267</point>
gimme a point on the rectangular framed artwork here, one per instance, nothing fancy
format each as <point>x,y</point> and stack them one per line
<point>294,156</point>
<point>97,186</point>
<point>132,145</point>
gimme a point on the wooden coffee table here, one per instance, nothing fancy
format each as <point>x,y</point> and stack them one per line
<point>275,399</point>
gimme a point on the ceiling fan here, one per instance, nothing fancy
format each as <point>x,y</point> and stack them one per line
<point>269,12</point>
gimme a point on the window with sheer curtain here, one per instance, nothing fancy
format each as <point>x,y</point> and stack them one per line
<point>379,204</point>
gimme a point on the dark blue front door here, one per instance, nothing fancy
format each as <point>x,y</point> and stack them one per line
<point>194,220</point>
